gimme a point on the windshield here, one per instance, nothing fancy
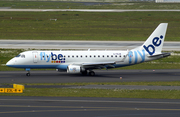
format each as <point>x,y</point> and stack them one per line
<point>18,55</point>
<point>21,55</point>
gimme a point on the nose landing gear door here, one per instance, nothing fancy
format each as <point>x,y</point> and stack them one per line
<point>35,57</point>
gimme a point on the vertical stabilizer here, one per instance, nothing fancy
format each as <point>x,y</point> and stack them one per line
<point>153,45</point>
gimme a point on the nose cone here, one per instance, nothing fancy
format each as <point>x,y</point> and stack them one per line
<point>10,63</point>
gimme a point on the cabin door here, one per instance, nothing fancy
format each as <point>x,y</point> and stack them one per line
<point>35,57</point>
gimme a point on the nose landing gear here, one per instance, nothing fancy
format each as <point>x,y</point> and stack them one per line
<point>27,74</point>
<point>28,70</point>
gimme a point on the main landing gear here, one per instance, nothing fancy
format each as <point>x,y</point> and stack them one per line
<point>91,73</point>
<point>28,70</point>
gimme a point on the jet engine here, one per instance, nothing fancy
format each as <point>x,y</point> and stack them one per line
<point>75,69</point>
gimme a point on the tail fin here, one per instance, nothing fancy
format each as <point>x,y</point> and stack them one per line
<point>153,45</point>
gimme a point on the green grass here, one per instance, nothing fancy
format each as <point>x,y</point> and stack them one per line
<point>158,83</point>
<point>126,26</point>
<point>116,93</point>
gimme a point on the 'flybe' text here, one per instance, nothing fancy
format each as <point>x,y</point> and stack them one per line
<point>51,57</point>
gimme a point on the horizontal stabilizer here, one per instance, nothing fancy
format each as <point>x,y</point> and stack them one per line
<point>163,55</point>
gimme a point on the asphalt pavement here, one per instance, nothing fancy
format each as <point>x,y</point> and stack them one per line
<point>94,45</point>
<point>49,76</point>
<point>87,107</point>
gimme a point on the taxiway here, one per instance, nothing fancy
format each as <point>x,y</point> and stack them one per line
<point>87,107</point>
<point>97,45</point>
<point>50,76</point>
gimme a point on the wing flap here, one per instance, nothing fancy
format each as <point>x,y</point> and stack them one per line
<point>98,65</point>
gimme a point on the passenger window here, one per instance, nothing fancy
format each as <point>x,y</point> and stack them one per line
<point>103,56</point>
<point>107,55</point>
<point>90,56</point>
<point>111,55</point>
<point>68,56</point>
<point>77,56</point>
<point>98,55</point>
<point>94,55</point>
<point>73,56</point>
<point>86,56</point>
<point>81,56</point>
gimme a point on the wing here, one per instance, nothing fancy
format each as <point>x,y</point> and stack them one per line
<point>98,65</point>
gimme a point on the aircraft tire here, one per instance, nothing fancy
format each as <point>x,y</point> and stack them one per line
<point>28,74</point>
<point>92,73</point>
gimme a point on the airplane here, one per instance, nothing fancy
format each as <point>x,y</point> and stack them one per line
<point>85,61</point>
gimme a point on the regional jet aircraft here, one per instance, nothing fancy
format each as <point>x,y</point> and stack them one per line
<point>85,61</point>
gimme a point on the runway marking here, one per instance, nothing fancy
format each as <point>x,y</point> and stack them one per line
<point>78,108</point>
<point>97,101</point>
<point>92,10</point>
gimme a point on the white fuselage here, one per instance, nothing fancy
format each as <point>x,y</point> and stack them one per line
<point>61,59</point>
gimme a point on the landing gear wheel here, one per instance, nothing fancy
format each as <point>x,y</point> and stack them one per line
<point>28,71</point>
<point>28,74</point>
<point>92,73</point>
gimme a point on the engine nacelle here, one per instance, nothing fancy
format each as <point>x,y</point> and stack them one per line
<point>74,69</point>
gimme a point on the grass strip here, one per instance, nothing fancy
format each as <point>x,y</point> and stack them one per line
<point>125,26</point>
<point>157,83</point>
<point>116,93</point>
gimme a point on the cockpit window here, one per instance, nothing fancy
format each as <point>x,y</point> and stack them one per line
<point>18,55</point>
<point>22,56</point>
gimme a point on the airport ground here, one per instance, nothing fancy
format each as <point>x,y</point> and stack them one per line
<point>89,106</point>
<point>81,45</point>
<point>83,106</point>
<point>50,76</point>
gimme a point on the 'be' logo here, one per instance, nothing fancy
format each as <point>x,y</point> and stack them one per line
<point>155,43</point>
